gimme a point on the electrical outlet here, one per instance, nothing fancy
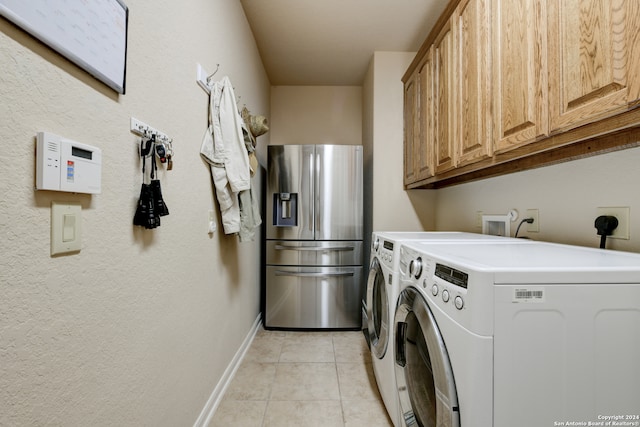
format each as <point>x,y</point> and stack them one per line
<point>478,219</point>
<point>534,227</point>
<point>212,222</point>
<point>622,214</point>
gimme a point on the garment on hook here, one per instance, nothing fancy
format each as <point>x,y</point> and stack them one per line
<point>253,127</point>
<point>249,215</point>
<point>223,148</point>
<point>249,210</point>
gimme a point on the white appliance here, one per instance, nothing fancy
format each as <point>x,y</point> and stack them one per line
<point>381,295</point>
<point>513,334</point>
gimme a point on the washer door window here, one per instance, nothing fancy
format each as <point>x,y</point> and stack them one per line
<point>378,310</point>
<point>426,387</point>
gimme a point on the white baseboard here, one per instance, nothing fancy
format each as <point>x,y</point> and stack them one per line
<point>218,392</point>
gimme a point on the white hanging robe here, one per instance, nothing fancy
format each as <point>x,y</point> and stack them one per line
<point>223,148</point>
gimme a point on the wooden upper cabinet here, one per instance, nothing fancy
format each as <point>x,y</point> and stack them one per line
<point>444,102</point>
<point>593,59</point>
<point>505,85</point>
<point>411,128</point>
<point>472,107</point>
<point>520,85</point>
<point>426,101</point>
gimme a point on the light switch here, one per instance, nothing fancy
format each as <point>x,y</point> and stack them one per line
<point>69,228</point>
<point>66,233</point>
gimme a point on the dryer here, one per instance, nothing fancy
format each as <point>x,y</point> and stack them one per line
<point>381,295</point>
<point>513,334</point>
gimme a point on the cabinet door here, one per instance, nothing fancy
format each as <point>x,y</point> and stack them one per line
<point>424,150</point>
<point>411,128</point>
<point>593,58</point>
<point>473,111</point>
<point>520,94</point>
<point>444,100</point>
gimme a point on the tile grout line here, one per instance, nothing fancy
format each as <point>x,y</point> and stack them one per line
<point>335,365</point>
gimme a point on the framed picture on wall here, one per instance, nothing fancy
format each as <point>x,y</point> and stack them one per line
<point>90,33</point>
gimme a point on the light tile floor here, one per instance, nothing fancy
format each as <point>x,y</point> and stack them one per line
<point>322,379</point>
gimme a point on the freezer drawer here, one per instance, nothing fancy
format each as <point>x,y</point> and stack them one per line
<point>313,297</point>
<point>340,253</point>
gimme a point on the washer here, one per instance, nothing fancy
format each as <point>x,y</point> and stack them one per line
<point>381,295</point>
<point>513,334</point>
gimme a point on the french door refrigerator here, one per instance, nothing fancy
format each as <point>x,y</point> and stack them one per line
<point>313,272</point>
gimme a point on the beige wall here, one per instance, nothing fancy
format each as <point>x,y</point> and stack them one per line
<point>566,195</point>
<point>137,328</point>
<point>316,115</point>
<point>393,209</point>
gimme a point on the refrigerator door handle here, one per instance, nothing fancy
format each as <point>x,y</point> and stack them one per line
<point>317,275</point>
<point>311,208</point>
<point>313,248</point>
<point>317,190</point>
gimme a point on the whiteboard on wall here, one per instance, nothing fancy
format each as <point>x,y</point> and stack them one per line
<point>91,33</point>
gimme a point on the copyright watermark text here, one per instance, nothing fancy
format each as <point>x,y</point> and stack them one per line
<point>603,420</point>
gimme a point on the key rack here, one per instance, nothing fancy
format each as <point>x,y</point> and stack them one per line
<point>142,129</point>
<point>147,133</point>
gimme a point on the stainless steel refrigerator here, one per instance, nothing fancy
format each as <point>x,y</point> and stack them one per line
<point>313,273</point>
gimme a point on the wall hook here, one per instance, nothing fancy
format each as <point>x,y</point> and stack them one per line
<point>214,73</point>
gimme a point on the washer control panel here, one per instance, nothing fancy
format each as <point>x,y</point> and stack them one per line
<point>448,285</point>
<point>458,290</point>
<point>384,251</point>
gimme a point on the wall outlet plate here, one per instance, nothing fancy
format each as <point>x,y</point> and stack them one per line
<point>622,213</point>
<point>534,227</point>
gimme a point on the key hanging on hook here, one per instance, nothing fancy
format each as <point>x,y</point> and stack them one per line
<point>161,151</point>
<point>170,155</point>
<point>154,166</point>
<point>146,145</point>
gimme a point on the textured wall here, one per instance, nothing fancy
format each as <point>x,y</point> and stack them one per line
<point>138,327</point>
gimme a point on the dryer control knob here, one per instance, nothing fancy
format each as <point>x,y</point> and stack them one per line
<point>376,244</point>
<point>415,267</point>
<point>459,302</point>
<point>434,290</point>
<point>445,295</point>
